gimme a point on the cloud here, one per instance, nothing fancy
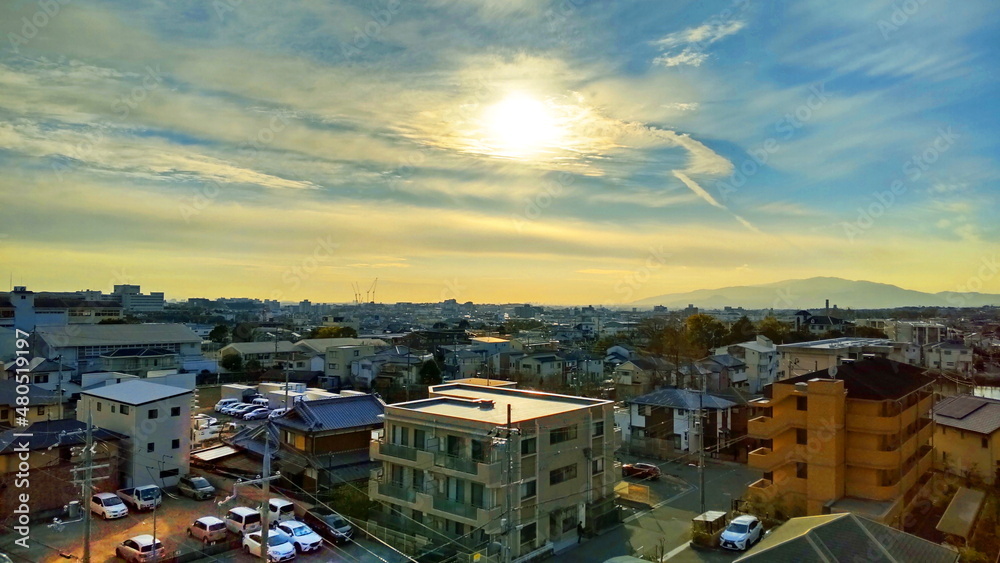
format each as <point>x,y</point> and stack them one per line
<point>603,272</point>
<point>694,41</point>
<point>685,57</point>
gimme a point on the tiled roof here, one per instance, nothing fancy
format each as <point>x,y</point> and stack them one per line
<point>965,412</point>
<point>40,365</point>
<point>115,335</point>
<point>36,395</point>
<point>873,379</point>
<point>47,433</point>
<point>682,399</point>
<point>844,537</point>
<point>283,346</point>
<point>138,353</point>
<point>338,413</point>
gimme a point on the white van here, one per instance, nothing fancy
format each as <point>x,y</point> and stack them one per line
<point>223,403</point>
<point>261,402</point>
<point>279,510</point>
<point>241,520</point>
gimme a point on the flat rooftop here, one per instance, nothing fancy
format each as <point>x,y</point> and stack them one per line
<point>464,401</point>
<point>838,343</point>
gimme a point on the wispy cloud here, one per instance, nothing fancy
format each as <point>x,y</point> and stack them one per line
<point>694,41</point>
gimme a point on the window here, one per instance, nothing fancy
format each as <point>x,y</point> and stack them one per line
<point>333,366</point>
<point>598,466</point>
<point>801,403</point>
<point>562,474</point>
<point>528,533</point>
<point>801,470</point>
<point>564,434</point>
<point>357,352</point>
<point>98,406</point>
<point>44,378</point>
<point>677,441</point>
<point>985,442</point>
<point>175,411</point>
<point>4,414</point>
<point>150,447</point>
<point>419,438</point>
<point>645,410</point>
<point>153,413</point>
<point>528,446</point>
<point>124,409</point>
<point>175,444</point>
<point>801,436</point>
<point>41,411</point>
<point>529,489</point>
<point>599,428</point>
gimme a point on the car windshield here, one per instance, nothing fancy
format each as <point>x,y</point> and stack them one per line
<point>149,494</point>
<point>738,528</point>
<point>200,482</point>
<point>113,501</point>
<point>302,531</point>
<point>215,527</point>
<point>276,539</point>
<point>336,521</point>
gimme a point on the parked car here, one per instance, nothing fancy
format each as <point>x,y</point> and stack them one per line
<point>146,497</point>
<point>223,403</point>
<point>228,409</point>
<point>742,532</point>
<point>257,413</point>
<point>641,470</point>
<point>279,546</point>
<point>304,538</point>
<point>261,402</point>
<point>329,524</point>
<point>196,487</point>
<point>108,505</point>
<point>207,529</point>
<point>241,520</point>
<point>239,411</point>
<point>140,548</point>
<point>277,413</point>
<point>280,509</point>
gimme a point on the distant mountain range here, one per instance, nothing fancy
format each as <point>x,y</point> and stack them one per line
<point>812,294</point>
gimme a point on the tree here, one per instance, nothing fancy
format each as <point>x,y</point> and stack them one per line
<point>253,366</point>
<point>772,328</point>
<point>704,331</point>
<point>463,324</point>
<point>430,373</point>
<point>219,334</point>
<point>333,332</point>
<point>231,362</point>
<point>741,331</point>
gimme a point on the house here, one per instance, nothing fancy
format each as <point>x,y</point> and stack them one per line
<point>267,354</point>
<point>54,453</point>
<point>156,418</point>
<point>853,438</point>
<point>761,359</point>
<point>844,538</point>
<point>338,359</point>
<point>662,423</point>
<point>819,324</point>
<point>443,458</point>
<point>82,346</point>
<point>42,372</point>
<point>967,437</point>
<point>138,361</point>
<point>953,356</point>
<point>724,371</point>
<point>543,365</point>
<point>639,376</point>
<point>43,404</point>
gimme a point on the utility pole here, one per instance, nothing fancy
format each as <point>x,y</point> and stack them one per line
<point>701,440</point>
<point>504,438</point>
<point>265,508</point>
<point>86,485</point>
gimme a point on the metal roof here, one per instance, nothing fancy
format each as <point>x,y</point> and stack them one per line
<point>49,433</point>
<point>872,379</point>
<point>136,392</point>
<point>211,454</point>
<point>961,513</point>
<point>36,395</point>
<point>965,412</point>
<point>337,413</point>
<point>283,346</point>
<point>114,335</point>
<point>682,399</point>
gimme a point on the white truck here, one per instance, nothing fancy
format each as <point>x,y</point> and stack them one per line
<point>146,497</point>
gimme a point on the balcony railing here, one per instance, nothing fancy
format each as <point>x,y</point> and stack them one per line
<point>396,450</point>
<point>456,463</point>
<point>397,491</point>
<point>766,459</point>
<point>462,509</point>
<point>766,427</point>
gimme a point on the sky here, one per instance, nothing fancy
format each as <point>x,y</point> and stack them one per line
<point>559,152</point>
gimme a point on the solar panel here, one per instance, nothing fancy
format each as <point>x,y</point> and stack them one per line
<point>960,407</point>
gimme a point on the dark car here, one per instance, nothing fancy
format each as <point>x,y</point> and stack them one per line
<point>196,487</point>
<point>329,524</point>
<point>641,470</point>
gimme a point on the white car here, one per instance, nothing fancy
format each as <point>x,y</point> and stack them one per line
<point>277,413</point>
<point>257,413</point>
<point>223,403</point>
<point>742,532</point>
<point>140,548</point>
<point>108,505</point>
<point>279,547</point>
<point>241,410</point>
<point>304,538</point>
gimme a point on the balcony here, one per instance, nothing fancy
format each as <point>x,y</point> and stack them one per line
<point>766,427</point>
<point>384,451</point>
<point>766,459</point>
<point>873,424</point>
<point>466,468</point>
<point>473,515</point>
<point>394,491</point>
<point>877,459</point>
<point>762,489</point>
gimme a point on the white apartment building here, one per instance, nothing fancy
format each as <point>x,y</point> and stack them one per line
<point>761,359</point>
<point>157,420</point>
<point>807,357</point>
<point>919,333</point>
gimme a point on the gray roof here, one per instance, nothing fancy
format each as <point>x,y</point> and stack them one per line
<point>283,346</point>
<point>114,335</point>
<point>36,395</point>
<point>338,413</point>
<point>136,392</point>
<point>319,345</point>
<point>39,364</point>
<point>682,399</point>
<point>845,537</point>
<point>965,412</point>
<point>728,361</point>
<point>47,433</point>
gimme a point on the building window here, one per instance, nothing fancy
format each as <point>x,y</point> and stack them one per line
<point>801,403</point>
<point>175,444</point>
<point>153,413</point>
<point>98,406</point>
<point>801,436</point>
<point>528,533</point>
<point>801,470</point>
<point>985,442</point>
<point>44,378</point>
<point>598,466</point>
<point>150,447</point>
<point>562,474</point>
<point>333,366</point>
<point>529,489</point>
<point>564,434</point>
<point>599,428</point>
<point>41,411</point>
<point>528,446</point>
<point>112,408</point>
<point>677,441</point>
<point>175,411</point>
<point>124,409</point>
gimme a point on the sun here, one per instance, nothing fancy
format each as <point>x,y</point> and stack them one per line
<point>521,126</point>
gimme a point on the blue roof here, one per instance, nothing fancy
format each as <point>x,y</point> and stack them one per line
<point>337,413</point>
<point>682,399</point>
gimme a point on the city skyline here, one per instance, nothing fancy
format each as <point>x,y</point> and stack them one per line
<point>524,152</point>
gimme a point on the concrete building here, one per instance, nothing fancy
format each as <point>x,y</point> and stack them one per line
<point>268,354</point>
<point>817,355</point>
<point>28,310</point>
<point>134,301</point>
<point>856,438</point>
<point>948,356</point>
<point>156,418</point>
<point>82,346</point>
<point>761,359</point>
<point>662,423</point>
<point>967,436</point>
<point>338,359</point>
<point>919,333</point>
<point>444,475</point>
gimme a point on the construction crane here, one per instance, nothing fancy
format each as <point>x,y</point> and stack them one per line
<point>370,295</point>
<point>357,293</point>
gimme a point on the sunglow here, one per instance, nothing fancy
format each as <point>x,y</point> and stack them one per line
<point>520,126</point>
